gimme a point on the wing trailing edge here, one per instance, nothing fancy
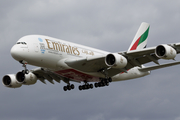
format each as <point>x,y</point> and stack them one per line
<point>158,66</point>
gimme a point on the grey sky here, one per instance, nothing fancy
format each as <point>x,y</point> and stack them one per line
<point>107,25</point>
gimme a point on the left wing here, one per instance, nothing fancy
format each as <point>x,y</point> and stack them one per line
<point>134,58</point>
<point>152,54</point>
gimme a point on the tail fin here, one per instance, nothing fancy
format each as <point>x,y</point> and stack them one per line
<point>140,39</point>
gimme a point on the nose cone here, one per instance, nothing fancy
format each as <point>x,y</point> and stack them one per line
<point>15,53</point>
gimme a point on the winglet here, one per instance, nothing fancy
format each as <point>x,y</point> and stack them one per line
<point>140,39</point>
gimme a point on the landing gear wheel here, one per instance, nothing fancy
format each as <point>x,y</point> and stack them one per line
<point>80,87</point>
<point>103,82</point>
<point>72,86</point>
<point>91,86</point>
<point>107,84</point>
<point>99,84</point>
<point>96,85</point>
<point>110,79</point>
<point>65,88</point>
<point>68,87</point>
<point>86,86</point>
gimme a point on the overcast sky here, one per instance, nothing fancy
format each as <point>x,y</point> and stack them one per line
<point>107,25</point>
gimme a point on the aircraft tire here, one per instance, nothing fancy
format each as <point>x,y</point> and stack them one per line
<point>96,85</point>
<point>80,87</point>
<point>65,88</point>
<point>68,87</point>
<point>91,86</point>
<point>72,86</point>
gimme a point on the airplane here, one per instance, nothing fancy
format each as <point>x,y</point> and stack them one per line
<point>59,60</point>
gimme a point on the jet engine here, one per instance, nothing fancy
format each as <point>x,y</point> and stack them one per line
<point>26,79</point>
<point>165,52</point>
<point>115,60</point>
<point>10,81</point>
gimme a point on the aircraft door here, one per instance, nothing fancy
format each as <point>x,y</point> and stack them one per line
<point>36,47</point>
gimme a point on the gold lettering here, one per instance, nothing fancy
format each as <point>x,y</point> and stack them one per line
<point>62,47</point>
<point>75,51</point>
<point>70,49</point>
<point>55,46</point>
<point>67,49</point>
<point>48,43</point>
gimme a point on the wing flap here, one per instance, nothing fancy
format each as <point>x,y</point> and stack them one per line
<point>43,74</point>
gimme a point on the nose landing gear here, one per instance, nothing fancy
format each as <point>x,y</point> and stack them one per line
<point>25,71</point>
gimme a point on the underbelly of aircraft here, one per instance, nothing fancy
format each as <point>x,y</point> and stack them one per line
<point>77,76</point>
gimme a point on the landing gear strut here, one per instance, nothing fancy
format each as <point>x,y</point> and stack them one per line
<point>25,71</point>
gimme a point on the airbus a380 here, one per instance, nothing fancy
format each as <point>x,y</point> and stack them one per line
<point>60,60</point>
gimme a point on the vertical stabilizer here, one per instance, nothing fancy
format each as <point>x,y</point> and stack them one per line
<point>140,39</point>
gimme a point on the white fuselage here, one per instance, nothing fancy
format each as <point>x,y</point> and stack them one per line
<point>50,53</point>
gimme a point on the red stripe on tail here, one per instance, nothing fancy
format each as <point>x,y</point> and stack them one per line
<point>135,44</point>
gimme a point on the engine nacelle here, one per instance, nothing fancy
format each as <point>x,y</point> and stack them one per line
<point>26,79</point>
<point>10,81</point>
<point>165,52</point>
<point>115,60</point>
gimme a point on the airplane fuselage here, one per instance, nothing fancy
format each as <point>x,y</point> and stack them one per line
<point>50,53</point>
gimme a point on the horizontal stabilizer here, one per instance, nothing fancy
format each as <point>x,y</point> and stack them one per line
<point>158,66</point>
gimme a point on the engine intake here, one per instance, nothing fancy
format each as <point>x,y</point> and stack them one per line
<point>115,60</point>
<point>26,79</point>
<point>10,81</point>
<point>165,52</point>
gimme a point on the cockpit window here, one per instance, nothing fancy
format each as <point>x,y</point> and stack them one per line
<point>21,43</point>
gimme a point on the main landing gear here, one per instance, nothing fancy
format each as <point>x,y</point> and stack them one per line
<point>68,87</point>
<point>86,86</point>
<point>103,82</point>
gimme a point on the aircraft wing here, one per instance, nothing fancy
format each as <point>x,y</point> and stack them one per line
<point>134,58</point>
<point>143,56</point>
<point>45,74</point>
<point>92,64</point>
